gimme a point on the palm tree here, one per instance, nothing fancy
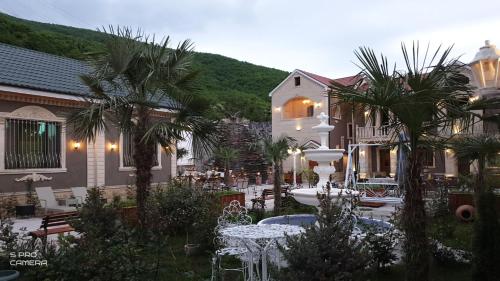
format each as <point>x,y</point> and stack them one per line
<point>227,155</point>
<point>482,148</point>
<point>134,79</point>
<point>276,151</point>
<point>428,97</point>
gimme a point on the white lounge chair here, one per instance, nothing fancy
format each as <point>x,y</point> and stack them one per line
<point>48,200</point>
<point>80,193</point>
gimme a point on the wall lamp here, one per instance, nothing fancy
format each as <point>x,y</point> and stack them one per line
<point>76,145</point>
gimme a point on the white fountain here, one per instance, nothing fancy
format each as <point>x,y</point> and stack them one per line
<point>323,155</point>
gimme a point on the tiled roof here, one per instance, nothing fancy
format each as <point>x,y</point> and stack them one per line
<point>35,70</point>
<point>349,80</point>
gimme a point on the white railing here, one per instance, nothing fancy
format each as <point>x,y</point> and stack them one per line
<point>373,133</point>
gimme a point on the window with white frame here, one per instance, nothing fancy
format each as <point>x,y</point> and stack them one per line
<point>128,149</point>
<point>32,144</point>
<point>32,139</point>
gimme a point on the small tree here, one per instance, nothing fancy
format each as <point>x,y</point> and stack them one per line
<point>486,242</point>
<point>327,250</point>
<point>276,151</point>
<point>227,155</point>
<point>132,78</point>
<point>428,97</point>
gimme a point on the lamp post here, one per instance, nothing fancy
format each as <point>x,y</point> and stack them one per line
<point>485,67</point>
<point>486,71</point>
<point>294,152</point>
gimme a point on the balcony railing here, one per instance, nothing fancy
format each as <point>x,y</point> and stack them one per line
<point>374,133</point>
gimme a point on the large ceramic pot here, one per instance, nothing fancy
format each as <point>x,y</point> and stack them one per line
<point>25,210</point>
<point>8,275</point>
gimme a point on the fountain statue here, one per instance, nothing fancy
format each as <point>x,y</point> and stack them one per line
<point>323,155</point>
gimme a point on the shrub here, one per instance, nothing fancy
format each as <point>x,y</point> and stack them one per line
<point>486,242</point>
<point>381,247</point>
<point>327,250</point>
<point>181,210</point>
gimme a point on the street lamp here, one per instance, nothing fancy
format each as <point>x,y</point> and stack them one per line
<point>486,66</point>
<point>486,70</point>
<point>294,152</point>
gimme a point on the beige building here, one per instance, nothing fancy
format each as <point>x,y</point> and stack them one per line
<point>379,161</point>
<point>296,103</point>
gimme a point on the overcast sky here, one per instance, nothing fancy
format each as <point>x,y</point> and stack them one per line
<point>314,35</point>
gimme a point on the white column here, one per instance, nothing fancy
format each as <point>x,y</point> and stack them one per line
<point>394,161</point>
<point>363,161</point>
<point>2,144</point>
<point>96,161</point>
<point>173,161</point>
<point>450,163</point>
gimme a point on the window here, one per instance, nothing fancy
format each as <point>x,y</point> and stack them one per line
<point>31,144</point>
<point>349,131</point>
<point>428,158</point>
<point>128,151</point>
<point>297,81</point>
<point>298,108</point>
<point>335,111</point>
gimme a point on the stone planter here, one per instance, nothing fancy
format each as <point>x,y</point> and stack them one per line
<point>226,199</point>
<point>129,215</point>
<point>26,210</point>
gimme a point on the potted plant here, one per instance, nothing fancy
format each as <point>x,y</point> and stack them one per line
<point>28,209</point>
<point>226,197</point>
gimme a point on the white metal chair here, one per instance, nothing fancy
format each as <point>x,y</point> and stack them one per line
<point>48,199</point>
<point>80,193</point>
<point>232,215</point>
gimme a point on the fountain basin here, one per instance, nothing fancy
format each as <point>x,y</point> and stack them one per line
<point>308,196</point>
<point>323,155</point>
<point>362,224</point>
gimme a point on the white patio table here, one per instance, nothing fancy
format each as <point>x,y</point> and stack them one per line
<point>258,239</point>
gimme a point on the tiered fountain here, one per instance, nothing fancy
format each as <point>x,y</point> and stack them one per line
<point>323,155</point>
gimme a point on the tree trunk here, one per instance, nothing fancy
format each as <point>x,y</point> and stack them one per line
<point>226,174</point>
<point>416,248</point>
<point>486,230</point>
<point>143,158</point>
<point>277,188</point>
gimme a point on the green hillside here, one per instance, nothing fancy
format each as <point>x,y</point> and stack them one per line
<point>228,84</point>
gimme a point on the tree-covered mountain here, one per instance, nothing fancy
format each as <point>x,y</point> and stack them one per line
<point>229,85</point>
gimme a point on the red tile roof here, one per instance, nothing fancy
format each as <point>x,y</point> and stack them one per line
<point>349,80</point>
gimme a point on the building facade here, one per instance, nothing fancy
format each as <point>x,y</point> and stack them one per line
<point>38,92</point>
<point>296,102</point>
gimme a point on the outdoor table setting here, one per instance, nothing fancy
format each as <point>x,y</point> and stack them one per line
<point>259,240</point>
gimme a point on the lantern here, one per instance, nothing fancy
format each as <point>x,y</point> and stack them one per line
<point>486,65</point>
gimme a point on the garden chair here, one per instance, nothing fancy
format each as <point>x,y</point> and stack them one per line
<point>48,200</point>
<point>232,215</point>
<point>80,193</point>
<point>242,184</point>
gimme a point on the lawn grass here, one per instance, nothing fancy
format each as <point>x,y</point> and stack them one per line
<point>459,236</point>
<point>437,273</point>
<point>176,266</point>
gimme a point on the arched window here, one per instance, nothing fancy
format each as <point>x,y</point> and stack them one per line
<point>299,107</point>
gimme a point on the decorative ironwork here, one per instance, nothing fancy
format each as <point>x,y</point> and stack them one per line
<point>128,151</point>
<point>32,144</point>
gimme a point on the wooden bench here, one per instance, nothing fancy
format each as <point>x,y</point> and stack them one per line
<point>371,204</point>
<point>266,193</point>
<point>55,224</point>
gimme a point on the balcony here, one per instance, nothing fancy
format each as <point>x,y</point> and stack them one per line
<point>374,133</point>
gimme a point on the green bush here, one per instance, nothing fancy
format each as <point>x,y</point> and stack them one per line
<point>178,210</point>
<point>327,250</point>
